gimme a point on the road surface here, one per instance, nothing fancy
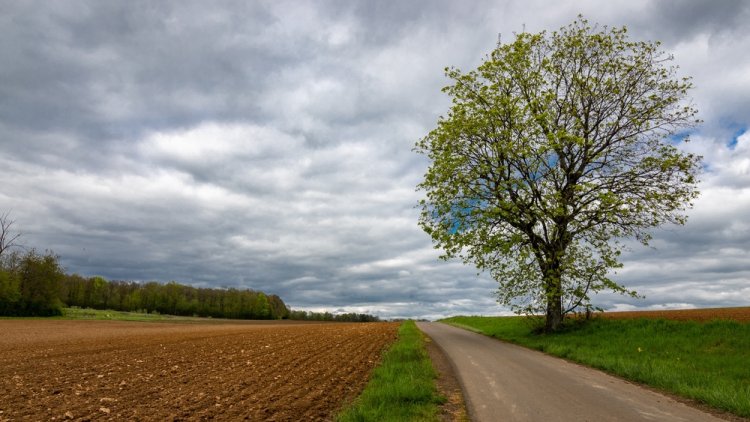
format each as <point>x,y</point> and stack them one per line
<point>504,382</point>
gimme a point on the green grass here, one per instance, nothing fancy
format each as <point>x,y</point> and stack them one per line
<point>109,315</point>
<point>104,315</point>
<point>705,361</point>
<point>403,387</point>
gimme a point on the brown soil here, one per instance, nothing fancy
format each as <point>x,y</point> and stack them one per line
<point>707,314</point>
<point>103,370</point>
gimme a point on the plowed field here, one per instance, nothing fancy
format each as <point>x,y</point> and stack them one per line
<point>736,314</point>
<point>102,370</point>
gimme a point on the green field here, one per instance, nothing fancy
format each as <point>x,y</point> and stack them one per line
<point>110,315</point>
<point>705,361</point>
<point>403,387</point>
<point>95,314</point>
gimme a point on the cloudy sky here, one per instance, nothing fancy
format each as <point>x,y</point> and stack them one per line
<point>267,145</point>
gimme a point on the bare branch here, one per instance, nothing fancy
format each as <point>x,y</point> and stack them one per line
<point>8,239</point>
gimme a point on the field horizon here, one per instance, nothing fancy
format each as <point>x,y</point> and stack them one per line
<point>736,313</point>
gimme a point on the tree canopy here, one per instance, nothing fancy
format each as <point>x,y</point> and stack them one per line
<point>557,148</point>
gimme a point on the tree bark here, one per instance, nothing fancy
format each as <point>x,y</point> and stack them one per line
<point>554,315</point>
<point>553,293</point>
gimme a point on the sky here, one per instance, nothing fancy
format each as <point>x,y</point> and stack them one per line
<point>268,144</point>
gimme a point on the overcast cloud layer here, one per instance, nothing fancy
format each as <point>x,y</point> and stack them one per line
<point>267,145</point>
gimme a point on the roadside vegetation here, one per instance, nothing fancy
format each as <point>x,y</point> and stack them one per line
<point>703,361</point>
<point>403,387</point>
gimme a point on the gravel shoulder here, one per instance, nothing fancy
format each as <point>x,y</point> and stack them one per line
<point>454,408</point>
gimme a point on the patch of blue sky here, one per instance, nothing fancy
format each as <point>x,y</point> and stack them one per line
<point>737,133</point>
<point>460,216</point>
<point>552,160</point>
<point>455,227</point>
<point>680,137</point>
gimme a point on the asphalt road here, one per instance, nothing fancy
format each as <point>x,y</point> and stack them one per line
<point>504,382</point>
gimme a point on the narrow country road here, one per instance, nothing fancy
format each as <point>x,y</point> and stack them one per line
<point>504,382</point>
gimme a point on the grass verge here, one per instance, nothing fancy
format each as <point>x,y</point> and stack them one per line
<point>402,388</point>
<point>110,315</point>
<point>106,315</point>
<point>703,361</point>
<point>100,315</point>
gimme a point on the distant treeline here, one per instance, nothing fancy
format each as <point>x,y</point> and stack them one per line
<point>33,284</point>
<point>30,285</point>
<point>171,298</point>
<point>327,316</point>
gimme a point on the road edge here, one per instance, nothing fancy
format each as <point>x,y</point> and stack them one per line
<point>449,386</point>
<point>718,413</point>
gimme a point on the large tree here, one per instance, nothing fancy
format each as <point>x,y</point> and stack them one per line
<point>557,148</point>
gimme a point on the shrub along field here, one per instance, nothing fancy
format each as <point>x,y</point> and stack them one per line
<point>704,361</point>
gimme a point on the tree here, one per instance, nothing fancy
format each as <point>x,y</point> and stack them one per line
<point>10,291</point>
<point>278,307</point>
<point>261,308</point>
<point>8,239</point>
<point>40,284</point>
<point>556,149</point>
<point>75,286</point>
<point>10,284</point>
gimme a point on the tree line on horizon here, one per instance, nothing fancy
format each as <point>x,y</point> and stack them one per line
<point>34,284</point>
<point>172,298</point>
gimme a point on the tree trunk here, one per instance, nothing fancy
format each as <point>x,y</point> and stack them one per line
<point>554,315</point>
<point>553,293</point>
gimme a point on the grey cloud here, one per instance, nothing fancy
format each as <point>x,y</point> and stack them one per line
<point>267,145</point>
<point>685,19</point>
<point>107,69</point>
